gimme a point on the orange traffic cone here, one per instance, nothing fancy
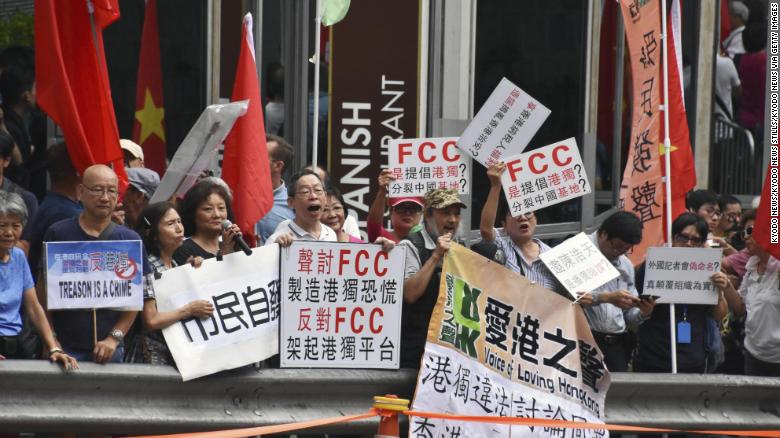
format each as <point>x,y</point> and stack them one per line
<point>388,408</point>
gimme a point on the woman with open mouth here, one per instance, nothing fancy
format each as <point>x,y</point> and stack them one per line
<point>520,247</point>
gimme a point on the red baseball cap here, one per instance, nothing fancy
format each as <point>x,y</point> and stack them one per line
<point>396,201</point>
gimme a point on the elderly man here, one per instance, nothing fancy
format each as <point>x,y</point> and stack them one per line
<point>98,192</point>
<point>306,197</point>
<point>425,251</point>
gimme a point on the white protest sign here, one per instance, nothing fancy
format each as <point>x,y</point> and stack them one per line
<point>682,275</point>
<point>94,275</point>
<point>504,125</point>
<point>198,149</point>
<point>579,265</point>
<point>341,305</point>
<point>423,164</point>
<point>245,325</point>
<point>544,177</point>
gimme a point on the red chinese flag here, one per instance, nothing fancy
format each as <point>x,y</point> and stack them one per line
<point>725,21</point>
<point>72,79</point>
<point>683,175</point>
<point>149,124</point>
<point>245,166</point>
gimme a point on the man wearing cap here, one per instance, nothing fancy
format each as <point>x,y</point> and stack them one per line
<point>134,154</point>
<point>425,251</point>
<point>143,183</point>
<point>405,213</point>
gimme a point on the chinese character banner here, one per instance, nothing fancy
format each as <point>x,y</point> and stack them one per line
<point>341,305</point>
<point>244,328</point>
<point>500,345</point>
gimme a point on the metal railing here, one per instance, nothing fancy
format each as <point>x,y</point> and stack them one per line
<point>735,162</point>
<point>36,396</point>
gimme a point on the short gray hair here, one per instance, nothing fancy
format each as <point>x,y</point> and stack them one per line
<point>740,10</point>
<point>12,204</point>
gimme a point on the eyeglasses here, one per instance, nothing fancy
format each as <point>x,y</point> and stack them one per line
<point>306,192</point>
<point>684,238</point>
<point>747,232</point>
<point>732,217</point>
<point>111,192</point>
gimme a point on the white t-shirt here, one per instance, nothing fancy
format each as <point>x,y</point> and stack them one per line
<point>761,295</point>
<point>290,227</point>
<point>726,79</point>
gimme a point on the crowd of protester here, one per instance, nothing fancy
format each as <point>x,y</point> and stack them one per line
<point>738,334</point>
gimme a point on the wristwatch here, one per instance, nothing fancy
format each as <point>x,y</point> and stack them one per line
<point>117,334</point>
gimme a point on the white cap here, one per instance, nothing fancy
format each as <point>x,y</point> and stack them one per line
<point>132,147</point>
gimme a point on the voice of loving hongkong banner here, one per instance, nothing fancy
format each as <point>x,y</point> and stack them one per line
<point>500,345</point>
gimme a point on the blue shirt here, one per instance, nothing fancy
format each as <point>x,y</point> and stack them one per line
<point>54,208</point>
<point>278,214</point>
<point>74,327</point>
<point>15,278</point>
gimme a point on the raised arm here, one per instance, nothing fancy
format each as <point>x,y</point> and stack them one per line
<point>488,219</point>
<point>377,210</point>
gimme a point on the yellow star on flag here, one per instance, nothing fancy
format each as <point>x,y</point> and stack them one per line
<point>150,117</point>
<point>662,148</point>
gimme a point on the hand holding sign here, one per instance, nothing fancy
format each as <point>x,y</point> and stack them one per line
<point>494,173</point>
<point>384,179</point>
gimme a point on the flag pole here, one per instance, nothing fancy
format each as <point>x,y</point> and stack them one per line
<point>316,109</point>
<point>668,174</point>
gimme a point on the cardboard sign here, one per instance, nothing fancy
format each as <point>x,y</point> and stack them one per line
<point>244,327</point>
<point>682,275</point>
<point>504,125</point>
<point>198,150</point>
<point>579,265</point>
<point>544,177</point>
<point>341,305</point>
<point>423,164</point>
<point>94,275</point>
<point>501,346</point>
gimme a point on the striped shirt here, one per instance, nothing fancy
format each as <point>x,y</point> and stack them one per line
<point>535,271</point>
